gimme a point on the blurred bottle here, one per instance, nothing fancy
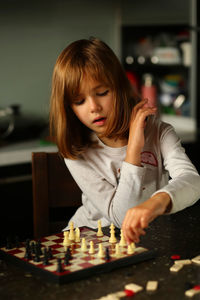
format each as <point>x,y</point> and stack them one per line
<point>149,89</point>
<point>134,81</point>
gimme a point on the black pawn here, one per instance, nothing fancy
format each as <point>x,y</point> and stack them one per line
<point>32,246</point>
<point>50,255</point>
<point>37,254</point>
<point>69,253</point>
<point>37,258</point>
<point>28,253</point>
<point>67,259</point>
<point>45,259</point>
<point>59,266</point>
<point>107,256</point>
<point>39,247</point>
<point>45,252</point>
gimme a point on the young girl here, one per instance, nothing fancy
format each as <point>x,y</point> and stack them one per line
<point>116,148</point>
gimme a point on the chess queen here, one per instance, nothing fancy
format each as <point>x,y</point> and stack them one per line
<point>114,144</point>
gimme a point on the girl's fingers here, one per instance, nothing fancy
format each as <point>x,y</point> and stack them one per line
<point>144,222</point>
<point>139,105</point>
<point>132,228</point>
<point>133,235</point>
<point>134,223</point>
<point>143,111</point>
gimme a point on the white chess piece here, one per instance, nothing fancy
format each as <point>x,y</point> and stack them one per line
<point>122,240</point>
<point>112,226</point>
<point>91,250</point>
<point>133,246</point>
<point>112,238</point>
<point>77,235</point>
<point>101,253</point>
<point>83,245</point>
<point>130,249</point>
<point>117,251</point>
<point>99,232</point>
<point>71,231</point>
<point>66,241</point>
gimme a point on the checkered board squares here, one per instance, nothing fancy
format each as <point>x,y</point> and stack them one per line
<point>82,264</point>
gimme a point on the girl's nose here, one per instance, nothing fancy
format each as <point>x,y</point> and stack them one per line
<point>94,105</point>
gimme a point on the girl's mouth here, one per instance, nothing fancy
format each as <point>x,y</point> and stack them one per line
<point>99,121</point>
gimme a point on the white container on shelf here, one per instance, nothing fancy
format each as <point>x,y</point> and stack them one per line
<point>166,55</point>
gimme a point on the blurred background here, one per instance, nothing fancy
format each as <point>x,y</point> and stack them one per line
<point>156,41</point>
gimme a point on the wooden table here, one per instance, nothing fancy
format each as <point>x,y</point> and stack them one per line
<point>171,234</point>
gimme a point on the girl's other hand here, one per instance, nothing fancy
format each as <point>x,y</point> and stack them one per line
<point>138,218</point>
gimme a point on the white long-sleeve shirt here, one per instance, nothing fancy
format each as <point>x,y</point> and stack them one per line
<point>111,186</point>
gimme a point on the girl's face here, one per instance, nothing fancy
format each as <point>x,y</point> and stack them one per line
<point>93,104</point>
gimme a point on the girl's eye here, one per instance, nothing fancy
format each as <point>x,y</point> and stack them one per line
<point>79,102</point>
<point>103,94</point>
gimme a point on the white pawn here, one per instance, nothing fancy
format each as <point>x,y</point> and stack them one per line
<point>66,241</point>
<point>117,251</point>
<point>133,246</point>
<point>91,250</point>
<point>71,231</point>
<point>83,245</point>
<point>122,240</point>
<point>99,232</point>
<point>77,235</point>
<point>130,249</point>
<point>101,252</point>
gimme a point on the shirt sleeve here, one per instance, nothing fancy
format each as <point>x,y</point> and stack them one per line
<point>184,185</point>
<point>111,201</point>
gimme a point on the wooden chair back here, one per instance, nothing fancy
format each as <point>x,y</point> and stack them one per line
<point>53,188</point>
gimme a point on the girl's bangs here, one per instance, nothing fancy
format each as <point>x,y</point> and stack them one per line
<point>77,74</point>
<point>99,73</point>
<point>72,83</point>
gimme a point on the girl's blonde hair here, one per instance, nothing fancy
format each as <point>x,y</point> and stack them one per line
<point>96,60</point>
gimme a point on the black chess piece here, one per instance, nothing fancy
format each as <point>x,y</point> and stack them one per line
<point>45,258</point>
<point>49,251</point>
<point>39,247</point>
<point>28,253</point>
<point>37,257</point>
<point>27,244</point>
<point>28,250</point>
<point>45,252</point>
<point>32,246</point>
<point>59,265</point>
<point>107,255</point>
<point>69,253</point>
<point>67,259</point>
<point>37,253</point>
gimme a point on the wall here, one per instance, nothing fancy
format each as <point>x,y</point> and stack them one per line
<point>142,12</point>
<point>32,35</point>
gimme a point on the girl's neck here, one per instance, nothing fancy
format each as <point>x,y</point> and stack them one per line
<point>114,143</point>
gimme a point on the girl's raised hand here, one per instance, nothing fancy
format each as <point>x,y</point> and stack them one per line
<point>138,122</point>
<point>136,131</point>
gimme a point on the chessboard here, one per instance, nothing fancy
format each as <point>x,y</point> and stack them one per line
<point>51,262</point>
